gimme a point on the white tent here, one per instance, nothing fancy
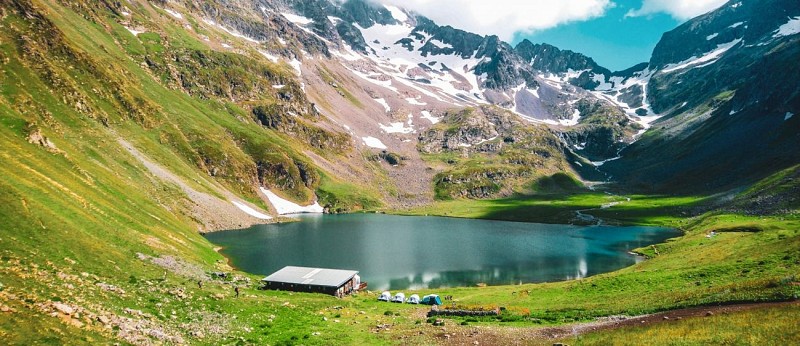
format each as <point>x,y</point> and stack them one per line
<point>400,297</point>
<point>414,299</point>
<point>385,296</point>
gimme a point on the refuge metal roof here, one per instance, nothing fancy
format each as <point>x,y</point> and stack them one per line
<point>311,276</point>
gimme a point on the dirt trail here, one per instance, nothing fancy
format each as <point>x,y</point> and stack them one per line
<point>547,335</point>
<point>214,213</point>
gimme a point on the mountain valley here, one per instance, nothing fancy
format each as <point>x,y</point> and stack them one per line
<point>131,128</point>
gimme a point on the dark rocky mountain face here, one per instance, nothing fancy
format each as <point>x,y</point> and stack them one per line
<point>732,48</point>
<point>334,21</point>
<point>464,44</point>
<point>727,85</point>
<point>550,59</point>
<point>504,69</point>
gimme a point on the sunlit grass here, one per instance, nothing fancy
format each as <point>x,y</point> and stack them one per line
<point>758,326</point>
<point>562,208</point>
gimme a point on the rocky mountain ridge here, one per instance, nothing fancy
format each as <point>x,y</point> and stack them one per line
<point>726,86</point>
<point>496,71</point>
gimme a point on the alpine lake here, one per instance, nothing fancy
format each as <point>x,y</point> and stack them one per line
<point>412,252</point>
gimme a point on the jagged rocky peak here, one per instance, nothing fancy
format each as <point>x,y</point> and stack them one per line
<point>460,42</point>
<point>550,59</point>
<point>338,21</point>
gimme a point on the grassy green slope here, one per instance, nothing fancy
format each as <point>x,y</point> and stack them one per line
<point>76,212</point>
<point>561,207</point>
<point>735,328</point>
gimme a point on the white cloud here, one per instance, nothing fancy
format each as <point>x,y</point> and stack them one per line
<point>505,17</point>
<point>678,9</point>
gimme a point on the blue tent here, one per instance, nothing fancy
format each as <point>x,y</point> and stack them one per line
<point>432,299</point>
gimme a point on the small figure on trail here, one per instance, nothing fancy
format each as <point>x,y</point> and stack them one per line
<point>199,283</point>
<point>236,289</point>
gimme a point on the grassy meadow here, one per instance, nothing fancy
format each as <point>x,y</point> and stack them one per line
<point>765,326</point>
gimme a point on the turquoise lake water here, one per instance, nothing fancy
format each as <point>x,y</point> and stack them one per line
<point>407,252</point>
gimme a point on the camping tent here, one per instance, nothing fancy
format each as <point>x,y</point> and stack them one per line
<point>432,299</point>
<point>400,297</point>
<point>414,299</point>
<point>385,296</point>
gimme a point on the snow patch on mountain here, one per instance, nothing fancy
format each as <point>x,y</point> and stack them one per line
<point>229,31</point>
<point>792,27</point>
<point>373,142</point>
<point>604,84</point>
<point>600,163</point>
<point>611,92</point>
<point>441,44</point>
<point>413,101</point>
<point>134,32</point>
<point>558,79</point>
<point>576,115</point>
<point>429,117</point>
<point>398,127</point>
<point>349,54</point>
<point>704,60</point>
<point>384,104</point>
<point>250,211</point>
<point>300,20</point>
<point>397,13</point>
<point>374,79</point>
<point>297,65</point>
<point>284,207</point>
<point>269,57</point>
<point>174,13</point>
<point>446,78</point>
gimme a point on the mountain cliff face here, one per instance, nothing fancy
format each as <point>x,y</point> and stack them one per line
<point>726,86</point>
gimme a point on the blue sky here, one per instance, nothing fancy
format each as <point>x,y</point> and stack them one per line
<point>614,41</point>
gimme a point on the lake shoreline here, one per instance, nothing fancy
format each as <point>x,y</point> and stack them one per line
<point>417,252</point>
